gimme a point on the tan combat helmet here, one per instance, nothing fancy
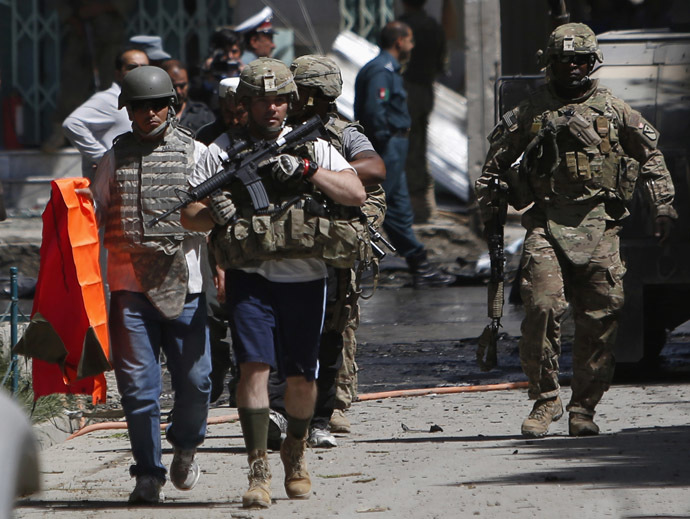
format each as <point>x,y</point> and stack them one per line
<point>266,77</point>
<point>319,72</point>
<point>571,39</point>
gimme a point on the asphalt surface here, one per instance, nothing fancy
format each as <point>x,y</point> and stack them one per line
<point>474,464</point>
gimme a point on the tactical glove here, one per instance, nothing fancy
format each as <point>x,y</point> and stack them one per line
<point>222,209</point>
<point>286,167</point>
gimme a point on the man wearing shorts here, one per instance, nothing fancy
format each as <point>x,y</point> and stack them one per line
<point>276,269</point>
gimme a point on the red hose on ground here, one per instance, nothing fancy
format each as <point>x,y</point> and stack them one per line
<point>123,425</point>
<point>440,391</point>
<point>361,398</point>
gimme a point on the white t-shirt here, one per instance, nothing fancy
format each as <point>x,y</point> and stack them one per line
<point>283,270</point>
<point>120,270</point>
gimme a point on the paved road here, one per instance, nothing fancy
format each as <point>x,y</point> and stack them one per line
<point>392,466</point>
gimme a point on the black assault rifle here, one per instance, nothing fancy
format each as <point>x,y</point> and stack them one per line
<point>487,357</point>
<point>376,236</point>
<point>244,169</point>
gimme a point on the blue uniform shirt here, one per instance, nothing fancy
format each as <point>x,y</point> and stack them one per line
<point>380,98</point>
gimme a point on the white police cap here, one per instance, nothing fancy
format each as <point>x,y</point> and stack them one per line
<point>260,22</point>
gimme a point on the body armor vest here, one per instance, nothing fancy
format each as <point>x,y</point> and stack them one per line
<point>300,223</point>
<point>584,162</point>
<point>146,176</point>
<point>375,206</point>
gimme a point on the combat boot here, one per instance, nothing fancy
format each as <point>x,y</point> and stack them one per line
<point>297,480</point>
<point>339,422</point>
<point>580,424</point>
<point>259,493</point>
<point>424,275</point>
<point>543,413</point>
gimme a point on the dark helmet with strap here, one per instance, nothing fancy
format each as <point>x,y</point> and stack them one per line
<point>144,83</point>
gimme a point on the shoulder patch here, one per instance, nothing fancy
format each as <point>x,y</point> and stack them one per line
<point>647,131</point>
<point>389,66</point>
<point>510,120</point>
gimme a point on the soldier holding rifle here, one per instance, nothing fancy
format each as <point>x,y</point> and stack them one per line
<point>585,150</point>
<point>275,255</point>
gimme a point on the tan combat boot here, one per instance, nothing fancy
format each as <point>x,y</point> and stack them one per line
<point>297,480</point>
<point>582,425</point>
<point>339,422</point>
<point>543,413</point>
<point>259,493</point>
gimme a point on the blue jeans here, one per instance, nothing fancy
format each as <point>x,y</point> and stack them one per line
<point>399,215</point>
<point>138,332</point>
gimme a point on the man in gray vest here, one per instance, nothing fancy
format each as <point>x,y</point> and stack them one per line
<point>155,281</point>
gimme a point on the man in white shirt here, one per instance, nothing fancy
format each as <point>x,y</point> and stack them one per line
<point>92,127</point>
<point>276,268</point>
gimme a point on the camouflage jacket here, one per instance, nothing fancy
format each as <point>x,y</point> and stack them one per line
<point>582,160</point>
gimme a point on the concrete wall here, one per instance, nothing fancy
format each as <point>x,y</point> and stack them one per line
<point>26,176</point>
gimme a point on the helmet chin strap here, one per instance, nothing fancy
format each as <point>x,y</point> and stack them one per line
<point>169,121</point>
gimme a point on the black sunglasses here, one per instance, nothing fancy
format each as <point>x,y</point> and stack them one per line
<point>577,59</point>
<point>150,104</point>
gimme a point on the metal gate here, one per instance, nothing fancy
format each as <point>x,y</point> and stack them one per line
<point>30,48</point>
<point>30,43</point>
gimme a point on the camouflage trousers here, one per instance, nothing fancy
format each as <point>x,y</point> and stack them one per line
<point>346,381</point>
<point>595,290</point>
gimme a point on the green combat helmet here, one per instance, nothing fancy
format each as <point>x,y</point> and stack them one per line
<point>146,83</point>
<point>266,77</point>
<point>571,39</point>
<point>319,72</point>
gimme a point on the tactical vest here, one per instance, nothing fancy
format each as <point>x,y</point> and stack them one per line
<point>586,161</point>
<point>375,205</point>
<point>300,223</point>
<point>146,176</point>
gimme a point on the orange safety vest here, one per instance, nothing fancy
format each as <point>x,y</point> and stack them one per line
<point>68,333</point>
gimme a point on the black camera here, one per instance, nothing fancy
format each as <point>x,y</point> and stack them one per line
<point>221,68</point>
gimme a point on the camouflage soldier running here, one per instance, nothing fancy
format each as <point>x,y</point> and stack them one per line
<point>583,152</point>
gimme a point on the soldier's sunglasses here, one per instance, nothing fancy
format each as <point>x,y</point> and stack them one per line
<point>578,59</point>
<point>150,104</point>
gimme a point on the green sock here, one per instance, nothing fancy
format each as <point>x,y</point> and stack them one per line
<point>254,424</point>
<point>298,427</point>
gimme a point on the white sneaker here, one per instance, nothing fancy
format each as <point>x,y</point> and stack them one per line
<point>321,438</point>
<point>147,490</point>
<point>277,429</point>
<point>184,470</point>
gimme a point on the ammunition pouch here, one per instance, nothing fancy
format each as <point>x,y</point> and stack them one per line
<point>293,233</point>
<point>583,130</point>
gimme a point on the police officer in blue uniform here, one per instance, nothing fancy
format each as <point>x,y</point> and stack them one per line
<point>381,108</point>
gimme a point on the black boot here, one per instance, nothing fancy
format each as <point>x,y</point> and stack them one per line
<point>424,275</point>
